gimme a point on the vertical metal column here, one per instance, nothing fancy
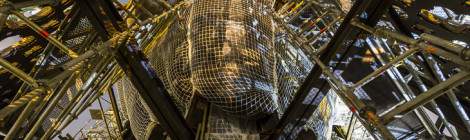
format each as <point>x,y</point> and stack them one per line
<point>90,96</point>
<point>427,96</point>
<point>352,123</point>
<point>84,89</point>
<point>434,92</point>
<point>114,105</point>
<point>423,88</point>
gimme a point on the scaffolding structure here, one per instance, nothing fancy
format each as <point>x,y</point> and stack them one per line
<point>236,69</point>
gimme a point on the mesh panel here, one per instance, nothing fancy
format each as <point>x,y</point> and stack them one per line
<point>232,55</point>
<point>73,38</point>
<point>75,41</point>
<point>292,68</point>
<point>82,28</point>
<point>171,62</point>
<point>77,35</point>
<point>142,122</point>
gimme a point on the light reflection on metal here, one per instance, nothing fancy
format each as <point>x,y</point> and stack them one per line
<point>19,73</point>
<point>45,34</point>
<point>453,99</point>
<point>28,110</point>
<point>427,96</point>
<point>405,90</point>
<point>443,48</point>
<point>15,105</point>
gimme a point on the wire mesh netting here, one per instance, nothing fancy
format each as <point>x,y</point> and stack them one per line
<point>222,126</point>
<point>292,68</point>
<point>142,122</point>
<point>171,61</point>
<point>232,54</point>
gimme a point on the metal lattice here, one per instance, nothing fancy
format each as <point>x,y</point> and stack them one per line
<point>248,59</point>
<point>74,37</point>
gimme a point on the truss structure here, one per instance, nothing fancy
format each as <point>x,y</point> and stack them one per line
<point>235,69</point>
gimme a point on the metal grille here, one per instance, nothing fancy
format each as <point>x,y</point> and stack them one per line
<point>76,36</point>
<point>75,41</point>
<point>52,117</point>
<point>82,28</point>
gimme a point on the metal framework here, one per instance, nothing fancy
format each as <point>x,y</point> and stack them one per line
<point>351,27</point>
<point>94,44</point>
